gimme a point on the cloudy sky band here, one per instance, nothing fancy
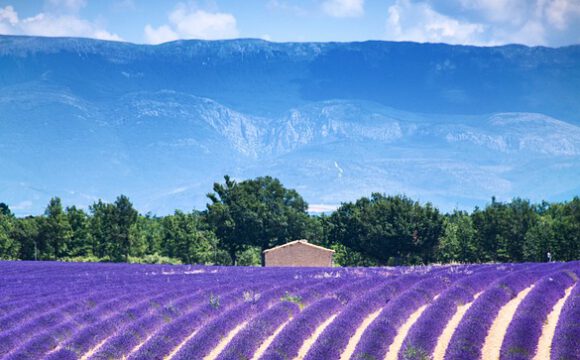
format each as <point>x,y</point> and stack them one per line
<point>469,22</point>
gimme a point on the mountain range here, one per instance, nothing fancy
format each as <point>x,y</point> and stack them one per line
<point>454,125</point>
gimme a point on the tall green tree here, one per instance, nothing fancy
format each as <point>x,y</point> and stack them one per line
<point>259,212</point>
<point>458,241</point>
<point>388,229</point>
<point>541,240</point>
<point>80,243</point>
<point>501,229</point>
<point>26,232</point>
<point>56,229</point>
<point>147,235</point>
<point>9,247</point>
<point>4,209</point>
<point>125,217</point>
<point>566,230</point>
<point>102,229</point>
<point>184,239</point>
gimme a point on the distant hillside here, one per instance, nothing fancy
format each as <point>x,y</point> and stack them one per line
<point>84,119</point>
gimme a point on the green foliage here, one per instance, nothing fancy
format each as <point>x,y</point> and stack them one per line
<point>244,218</point>
<point>296,299</point>
<point>414,353</point>
<point>214,301</point>
<point>56,230</point>
<point>184,237</point>
<point>80,242</point>
<point>89,258</point>
<point>458,241</point>
<point>259,212</point>
<point>154,259</point>
<point>26,232</point>
<point>344,256</point>
<point>387,227</point>
<point>501,229</point>
<point>250,257</point>
<point>9,247</point>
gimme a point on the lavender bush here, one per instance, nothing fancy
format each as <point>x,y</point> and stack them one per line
<point>566,343</point>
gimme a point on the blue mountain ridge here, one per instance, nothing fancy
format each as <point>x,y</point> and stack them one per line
<point>86,119</point>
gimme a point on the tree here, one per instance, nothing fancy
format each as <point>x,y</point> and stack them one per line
<point>26,232</point>
<point>388,229</point>
<point>259,212</point>
<point>184,239</point>
<point>80,243</point>
<point>56,230</point>
<point>147,235</point>
<point>501,229</point>
<point>458,241</point>
<point>9,248</point>
<point>566,245</point>
<point>5,210</point>
<point>540,239</point>
<point>125,216</point>
<point>102,228</point>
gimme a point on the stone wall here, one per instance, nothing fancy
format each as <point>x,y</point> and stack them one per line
<point>298,254</point>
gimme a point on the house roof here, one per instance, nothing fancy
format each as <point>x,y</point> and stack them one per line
<point>304,242</point>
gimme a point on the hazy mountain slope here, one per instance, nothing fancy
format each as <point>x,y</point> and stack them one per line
<point>258,76</point>
<point>84,119</point>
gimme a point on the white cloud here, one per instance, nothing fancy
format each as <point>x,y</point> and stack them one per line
<point>343,8</point>
<point>531,22</point>
<point>532,33</point>
<point>160,35</point>
<point>48,24</point>
<point>9,15</point>
<point>189,23</point>
<point>560,13</point>
<point>409,21</point>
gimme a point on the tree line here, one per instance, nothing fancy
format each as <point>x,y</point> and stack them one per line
<point>244,218</point>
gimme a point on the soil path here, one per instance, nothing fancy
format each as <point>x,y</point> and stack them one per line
<point>545,342</point>
<point>312,339</point>
<point>492,346</point>
<point>447,334</point>
<point>349,350</point>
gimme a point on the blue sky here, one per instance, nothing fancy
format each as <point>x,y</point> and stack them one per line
<point>475,22</point>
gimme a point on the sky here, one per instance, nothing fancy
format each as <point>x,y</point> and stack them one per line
<point>468,22</point>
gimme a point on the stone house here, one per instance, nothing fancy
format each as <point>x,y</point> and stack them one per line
<point>298,253</point>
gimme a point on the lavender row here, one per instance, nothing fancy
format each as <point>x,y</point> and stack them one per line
<point>288,342</point>
<point>525,329</point>
<point>101,327</point>
<point>15,337</point>
<point>422,338</point>
<point>467,340</point>
<point>380,334</point>
<point>208,337</point>
<point>172,334</point>
<point>245,344</point>
<point>26,342</point>
<point>133,333</point>
<point>566,343</point>
<point>335,337</point>
<point>251,337</point>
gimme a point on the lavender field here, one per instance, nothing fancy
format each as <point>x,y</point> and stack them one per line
<point>52,310</point>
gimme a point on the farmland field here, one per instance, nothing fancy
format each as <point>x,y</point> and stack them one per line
<point>121,311</point>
